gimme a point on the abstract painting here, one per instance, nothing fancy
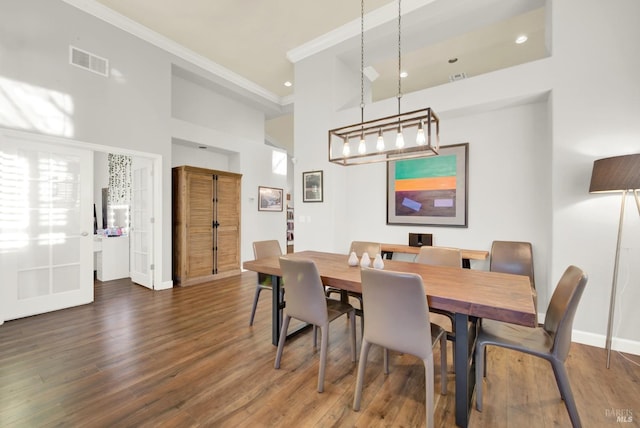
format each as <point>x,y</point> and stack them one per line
<point>430,191</point>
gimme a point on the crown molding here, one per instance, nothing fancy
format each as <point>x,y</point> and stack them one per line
<point>108,15</point>
<point>351,29</point>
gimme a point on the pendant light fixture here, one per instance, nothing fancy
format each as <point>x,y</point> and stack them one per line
<point>416,133</point>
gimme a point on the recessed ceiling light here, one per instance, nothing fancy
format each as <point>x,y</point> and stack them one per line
<point>453,60</point>
<point>288,84</point>
<point>521,39</point>
<point>403,74</point>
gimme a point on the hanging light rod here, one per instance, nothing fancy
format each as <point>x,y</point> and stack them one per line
<point>416,133</point>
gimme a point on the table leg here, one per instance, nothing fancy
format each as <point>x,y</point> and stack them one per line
<point>276,309</point>
<point>464,367</point>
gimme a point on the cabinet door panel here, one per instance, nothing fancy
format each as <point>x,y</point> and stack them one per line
<point>228,216</point>
<point>200,225</point>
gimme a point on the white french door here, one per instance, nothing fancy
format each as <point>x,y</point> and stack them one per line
<point>46,239</point>
<point>141,233</point>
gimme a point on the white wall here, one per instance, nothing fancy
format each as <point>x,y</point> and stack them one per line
<point>233,133</point>
<point>202,106</point>
<point>253,161</point>
<point>129,110</point>
<point>534,131</point>
<point>203,158</point>
<point>236,132</point>
<point>596,105</point>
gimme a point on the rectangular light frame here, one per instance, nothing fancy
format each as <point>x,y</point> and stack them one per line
<point>388,126</point>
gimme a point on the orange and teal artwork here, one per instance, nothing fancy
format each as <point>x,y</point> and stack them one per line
<point>429,190</point>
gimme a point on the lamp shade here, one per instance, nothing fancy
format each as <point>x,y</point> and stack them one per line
<point>616,174</point>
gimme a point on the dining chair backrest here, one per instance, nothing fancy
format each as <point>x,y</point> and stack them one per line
<point>512,257</point>
<point>361,247</point>
<point>305,292</point>
<point>439,256</point>
<point>558,322</point>
<point>401,313</point>
<point>264,249</point>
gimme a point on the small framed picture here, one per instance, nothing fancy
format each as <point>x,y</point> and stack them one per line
<point>269,199</point>
<point>312,186</point>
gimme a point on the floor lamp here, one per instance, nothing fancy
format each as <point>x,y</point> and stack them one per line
<point>616,174</point>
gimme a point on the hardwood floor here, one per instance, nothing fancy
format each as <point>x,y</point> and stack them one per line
<point>187,357</point>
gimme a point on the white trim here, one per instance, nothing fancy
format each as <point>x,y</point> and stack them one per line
<point>102,12</point>
<point>163,286</point>
<point>598,340</point>
<point>351,29</point>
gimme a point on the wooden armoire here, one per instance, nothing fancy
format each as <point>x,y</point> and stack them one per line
<point>206,224</point>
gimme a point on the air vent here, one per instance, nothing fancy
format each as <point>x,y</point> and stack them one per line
<point>457,76</point>
<point>88,61</point>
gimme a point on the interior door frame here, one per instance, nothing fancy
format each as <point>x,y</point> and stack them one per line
<point>157,160</point>
<point>157,204</point>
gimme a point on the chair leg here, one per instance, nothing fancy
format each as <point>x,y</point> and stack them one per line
<point>324,344</point>
<point>283,337</point>
<point>315,337</point>
<point>255,304</point>
<point>562,379</point>
<point>485,362</point>
<point>385,360</point>
<point>353,336</point>
<point>428,380</point>
<point>364,351</point>
<point>480,357</point>
<point>443,364</point>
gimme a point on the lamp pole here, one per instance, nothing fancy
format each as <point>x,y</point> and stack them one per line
<point>612,302</point>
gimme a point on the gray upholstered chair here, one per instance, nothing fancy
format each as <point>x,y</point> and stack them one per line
<point>550,341</point>
<point>439,256</point>
<point>360,247</point>
<point>307,302</point>
<point>261,250</point>
<point>401,323</point>
<point>514,257</point>
<point>442,256</point>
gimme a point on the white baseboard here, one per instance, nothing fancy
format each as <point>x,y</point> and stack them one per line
<point>164,285</point>
<point>599,340</point>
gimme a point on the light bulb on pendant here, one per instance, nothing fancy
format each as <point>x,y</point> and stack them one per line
<point>420,138</point>
<point>380,142</point>
<point>346,150</point>
<point>362,147</point>
<point>399,138</point>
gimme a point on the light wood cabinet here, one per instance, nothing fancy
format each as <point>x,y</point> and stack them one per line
<point>206,224</point>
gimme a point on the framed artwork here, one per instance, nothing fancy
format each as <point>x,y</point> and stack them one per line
<point>429,191</point>
<point>312,186</point>
<point>269,199</point>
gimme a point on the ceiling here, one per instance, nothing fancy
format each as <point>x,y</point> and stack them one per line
<point>254,42</point>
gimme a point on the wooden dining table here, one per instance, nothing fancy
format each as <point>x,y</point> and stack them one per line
<point>469,294</point>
